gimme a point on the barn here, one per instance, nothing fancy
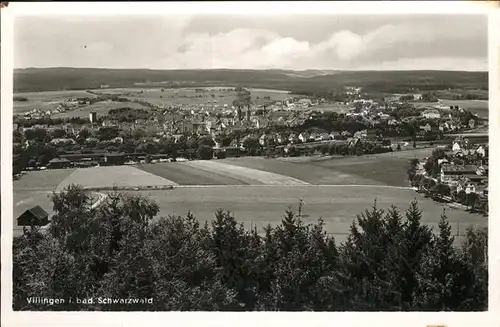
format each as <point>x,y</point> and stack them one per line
<point>35,216</point>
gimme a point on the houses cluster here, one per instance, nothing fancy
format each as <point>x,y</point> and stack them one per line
<point>467,178</point>
<point>61,107</point>
<point>463,169</point>
<point>214,119</point>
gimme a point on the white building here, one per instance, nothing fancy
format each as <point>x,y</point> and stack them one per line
<point>481,151</point>
<point>456,146</point>
<point>431,114</point>
<point>303,137</point>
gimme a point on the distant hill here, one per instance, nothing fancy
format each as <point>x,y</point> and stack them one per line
<point>66,78</point>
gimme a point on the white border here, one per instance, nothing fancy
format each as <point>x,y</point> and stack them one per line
<point>10,318</point>
<point>249,7</point>
<point>494,133</point>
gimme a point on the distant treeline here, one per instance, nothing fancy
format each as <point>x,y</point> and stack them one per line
<point>51,79</point>
<point>20,99</point>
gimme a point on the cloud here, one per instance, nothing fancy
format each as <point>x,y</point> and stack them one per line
<point>170,43</point>
<point>255,48</point>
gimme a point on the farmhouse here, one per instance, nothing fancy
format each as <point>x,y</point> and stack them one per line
<point>35,216</point>
<point>453,172</point>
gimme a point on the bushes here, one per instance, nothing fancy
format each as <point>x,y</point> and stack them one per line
<point>220,155</point>
<point>117,250</point>
<point>204,152</point>
<point>20,99</point>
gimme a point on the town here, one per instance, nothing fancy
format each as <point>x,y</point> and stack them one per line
<point>253,126</point>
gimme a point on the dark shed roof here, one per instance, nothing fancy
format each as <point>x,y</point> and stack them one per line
<point>38,212</point>
<point>33,216</point>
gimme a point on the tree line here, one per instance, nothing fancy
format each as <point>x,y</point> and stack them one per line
<point>390,261</point>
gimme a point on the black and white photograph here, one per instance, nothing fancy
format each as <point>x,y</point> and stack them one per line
<point>249,162</point>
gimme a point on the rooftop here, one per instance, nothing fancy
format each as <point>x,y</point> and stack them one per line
<point>38,212</point>
<point>456,168</point>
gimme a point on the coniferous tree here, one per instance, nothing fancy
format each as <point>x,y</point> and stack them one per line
<point>118,251</point>
<point>416,242</point>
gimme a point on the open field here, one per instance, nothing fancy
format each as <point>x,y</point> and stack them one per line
<point>340,188</point>
<point>479,107</point>
<point>306,172</point>
<point>96,177</point>
<point>101,108</point>
<point>186,175</point>
<point>49,100</point>
<point>45,100</point>
<point>248,175</point>
<point>454,93</point>
<point>387,171</point>
<point>384,169</point>
<point>35,188</point>
<point>266,204</point>
<point>408,153</point>
<point>332,107</point>
<point>189,96</point>
<point>41,180</point>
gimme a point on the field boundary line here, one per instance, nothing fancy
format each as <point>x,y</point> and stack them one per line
<point>58,187</point>
<point>295,185</point>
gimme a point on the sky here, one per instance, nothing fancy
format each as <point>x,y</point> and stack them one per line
<point>337,42</point>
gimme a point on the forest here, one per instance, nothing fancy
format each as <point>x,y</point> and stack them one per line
<point>391,261</point>
<point>63,78</point>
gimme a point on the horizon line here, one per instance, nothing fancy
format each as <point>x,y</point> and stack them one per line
<point>259,69</point>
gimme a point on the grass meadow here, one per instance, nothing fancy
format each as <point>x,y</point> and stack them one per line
<point>266,204</point>
<point>45,100</point>
<point>210,97</point>
<point>340,189</point>
<point>189,96</point>
<point>102,108</point>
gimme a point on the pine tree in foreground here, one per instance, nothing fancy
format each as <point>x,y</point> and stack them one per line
<point>388,262</point>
